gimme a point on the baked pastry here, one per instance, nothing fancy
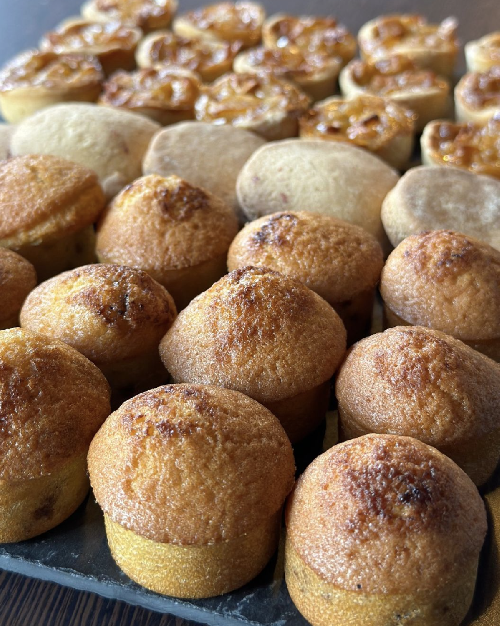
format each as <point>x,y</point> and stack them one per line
<point>176,232</point>
<point>477,96</point>
<point>34,80</point>
<point>266,335</point>
<point>446,281</point>
<point>114,315</point>
<point>397,78</point>
<point>197,512</point>
<point>55,400</point>
<point>339,261</point>
<point>431,198</point>
<point>378,125</point>
<point>326,177</point>
<point>263,104</point>
<point>316,74</point>
<point>166,95</point>
<point>224,21</point>
<point>6,131</point>
<point>363,519</point>
<point>429,46</point>
<point>441,392</point>
<point>209,59</point>
<point>113,43</point>
<point>47,209</point>
<point>148,15</point>
<point>317,35</point>
<point>108,141</point>
<point>17,279</point>
<point>199,152</point>
<point>470,146</point>
<point>484,53</point>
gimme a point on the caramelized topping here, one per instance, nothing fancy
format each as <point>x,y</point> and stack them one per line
<point>392,75</point>
<point>481,89</point>
<point>136,11</point>
<point>288,62</point>
<point>46,69</point>
<point>90,37</point>
<point>489,48</point>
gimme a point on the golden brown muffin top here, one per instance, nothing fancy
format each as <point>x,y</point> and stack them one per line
<point>39,197</point>
<point>17,279</point>
<point>385,514</point>
<point>447,281</point>
<point>53,401</point>
<point>258,332</point>
<point>161,223</point>
<point>106,312</point>
<point>191,465</point>
<point>442,391</point>
<point>335,259</point>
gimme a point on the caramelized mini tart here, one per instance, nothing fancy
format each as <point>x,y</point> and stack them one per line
<point>166,95</point>
<point>429,46</point>
<point>376,124</point>
<point>482,54</point>
<point>148,15</point>
<point>224,21</point>
<point>470,146</point>
<point>398,79</point>
<point>111,42</point>
<point>316,74</point>
<point>209,59</point>
<point>319,35</point>
<point>34,80</point>
<point>477,96</point>
<point>263,104</point>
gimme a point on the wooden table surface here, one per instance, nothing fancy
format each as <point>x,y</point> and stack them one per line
<point>29,602</point>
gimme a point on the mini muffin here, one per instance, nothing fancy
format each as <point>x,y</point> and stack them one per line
<point>482,54</point>
<point>326,177</point>
<point>113,43</point>
<point>113,315</point>
<point>376,124</point>
<point>383,530</point>
<point>446,281</point>
<point>148,15</point>
<point>108,141</point>
<point>477,96</point>
<point>191,480</point>
<point>165,95</point>
<point>263,104</point>
<point>339,261</point>
<point>224,21</point>
<point>6,131</point>
<point>47,209</point>
<point>176,232</point>
<point>266,335</point>
<point>54,401</point>
<point>431,198</point>
<point>200,152</point>
<point>34,80</point>
<point>17,279</point>
<point>441,392</point>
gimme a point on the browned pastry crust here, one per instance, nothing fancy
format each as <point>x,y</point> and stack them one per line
<point>17,279</point>
<point>442,393</point>
<point>363,519</point>
<point>477,96</point>
<point>146,14</point>
<point>484,53</point>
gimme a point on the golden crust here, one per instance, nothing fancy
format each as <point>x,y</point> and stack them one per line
<point>258,332</point>
<point>392,504</point>
<point>156,465</point>
<point>482,54</point>
<point>106,312</point>
<point>17,279</point>
<point>146,14</point>
<point>446,281</point>
<point>477,96</point>
<point>43,197</point>
<point>55,400</point>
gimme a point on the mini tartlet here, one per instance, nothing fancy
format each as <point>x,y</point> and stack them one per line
<point>429,46</point>
<point>264,104</point>
<point>209,59</point>
<point>224,21</point>
<point>398,79</point>
<point>148,15</point>
<point>113,43</point>
<point>17,279</point>
<point>477,96</point>
<point>378,125</point>
<point>317,35</point>
<point>34,80</point>
<point>165,95</point>
<point>469,146</point>
<point>482,54</point>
